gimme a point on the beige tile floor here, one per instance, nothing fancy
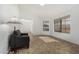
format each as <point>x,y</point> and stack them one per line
<point>39,46</point>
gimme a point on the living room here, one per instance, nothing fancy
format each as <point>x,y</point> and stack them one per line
<point>38,21</point>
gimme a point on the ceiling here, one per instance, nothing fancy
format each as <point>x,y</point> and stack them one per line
<point>30,11</point>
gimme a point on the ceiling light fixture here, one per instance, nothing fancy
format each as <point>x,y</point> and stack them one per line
<point>42,4</point>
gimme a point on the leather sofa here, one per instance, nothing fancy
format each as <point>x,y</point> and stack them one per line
<point>18,40</point>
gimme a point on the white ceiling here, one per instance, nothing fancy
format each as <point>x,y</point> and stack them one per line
<point>34,10</point>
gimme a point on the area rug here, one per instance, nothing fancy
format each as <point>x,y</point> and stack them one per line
<point>48,39</point>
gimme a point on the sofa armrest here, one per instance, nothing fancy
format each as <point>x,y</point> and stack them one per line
<point>24,33</point>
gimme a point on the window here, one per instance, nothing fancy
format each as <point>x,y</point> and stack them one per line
<point>62,24</point>
<point>45,25</point>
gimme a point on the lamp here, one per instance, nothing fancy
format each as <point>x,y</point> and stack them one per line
<point>14,21</point>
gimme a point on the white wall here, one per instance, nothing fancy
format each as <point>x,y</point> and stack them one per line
<point>26,26</point>
<point>4,33</point>
<point>8,11</point>
<point>37,14</point>
<point>38,25</point>
<point>73,36</point>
